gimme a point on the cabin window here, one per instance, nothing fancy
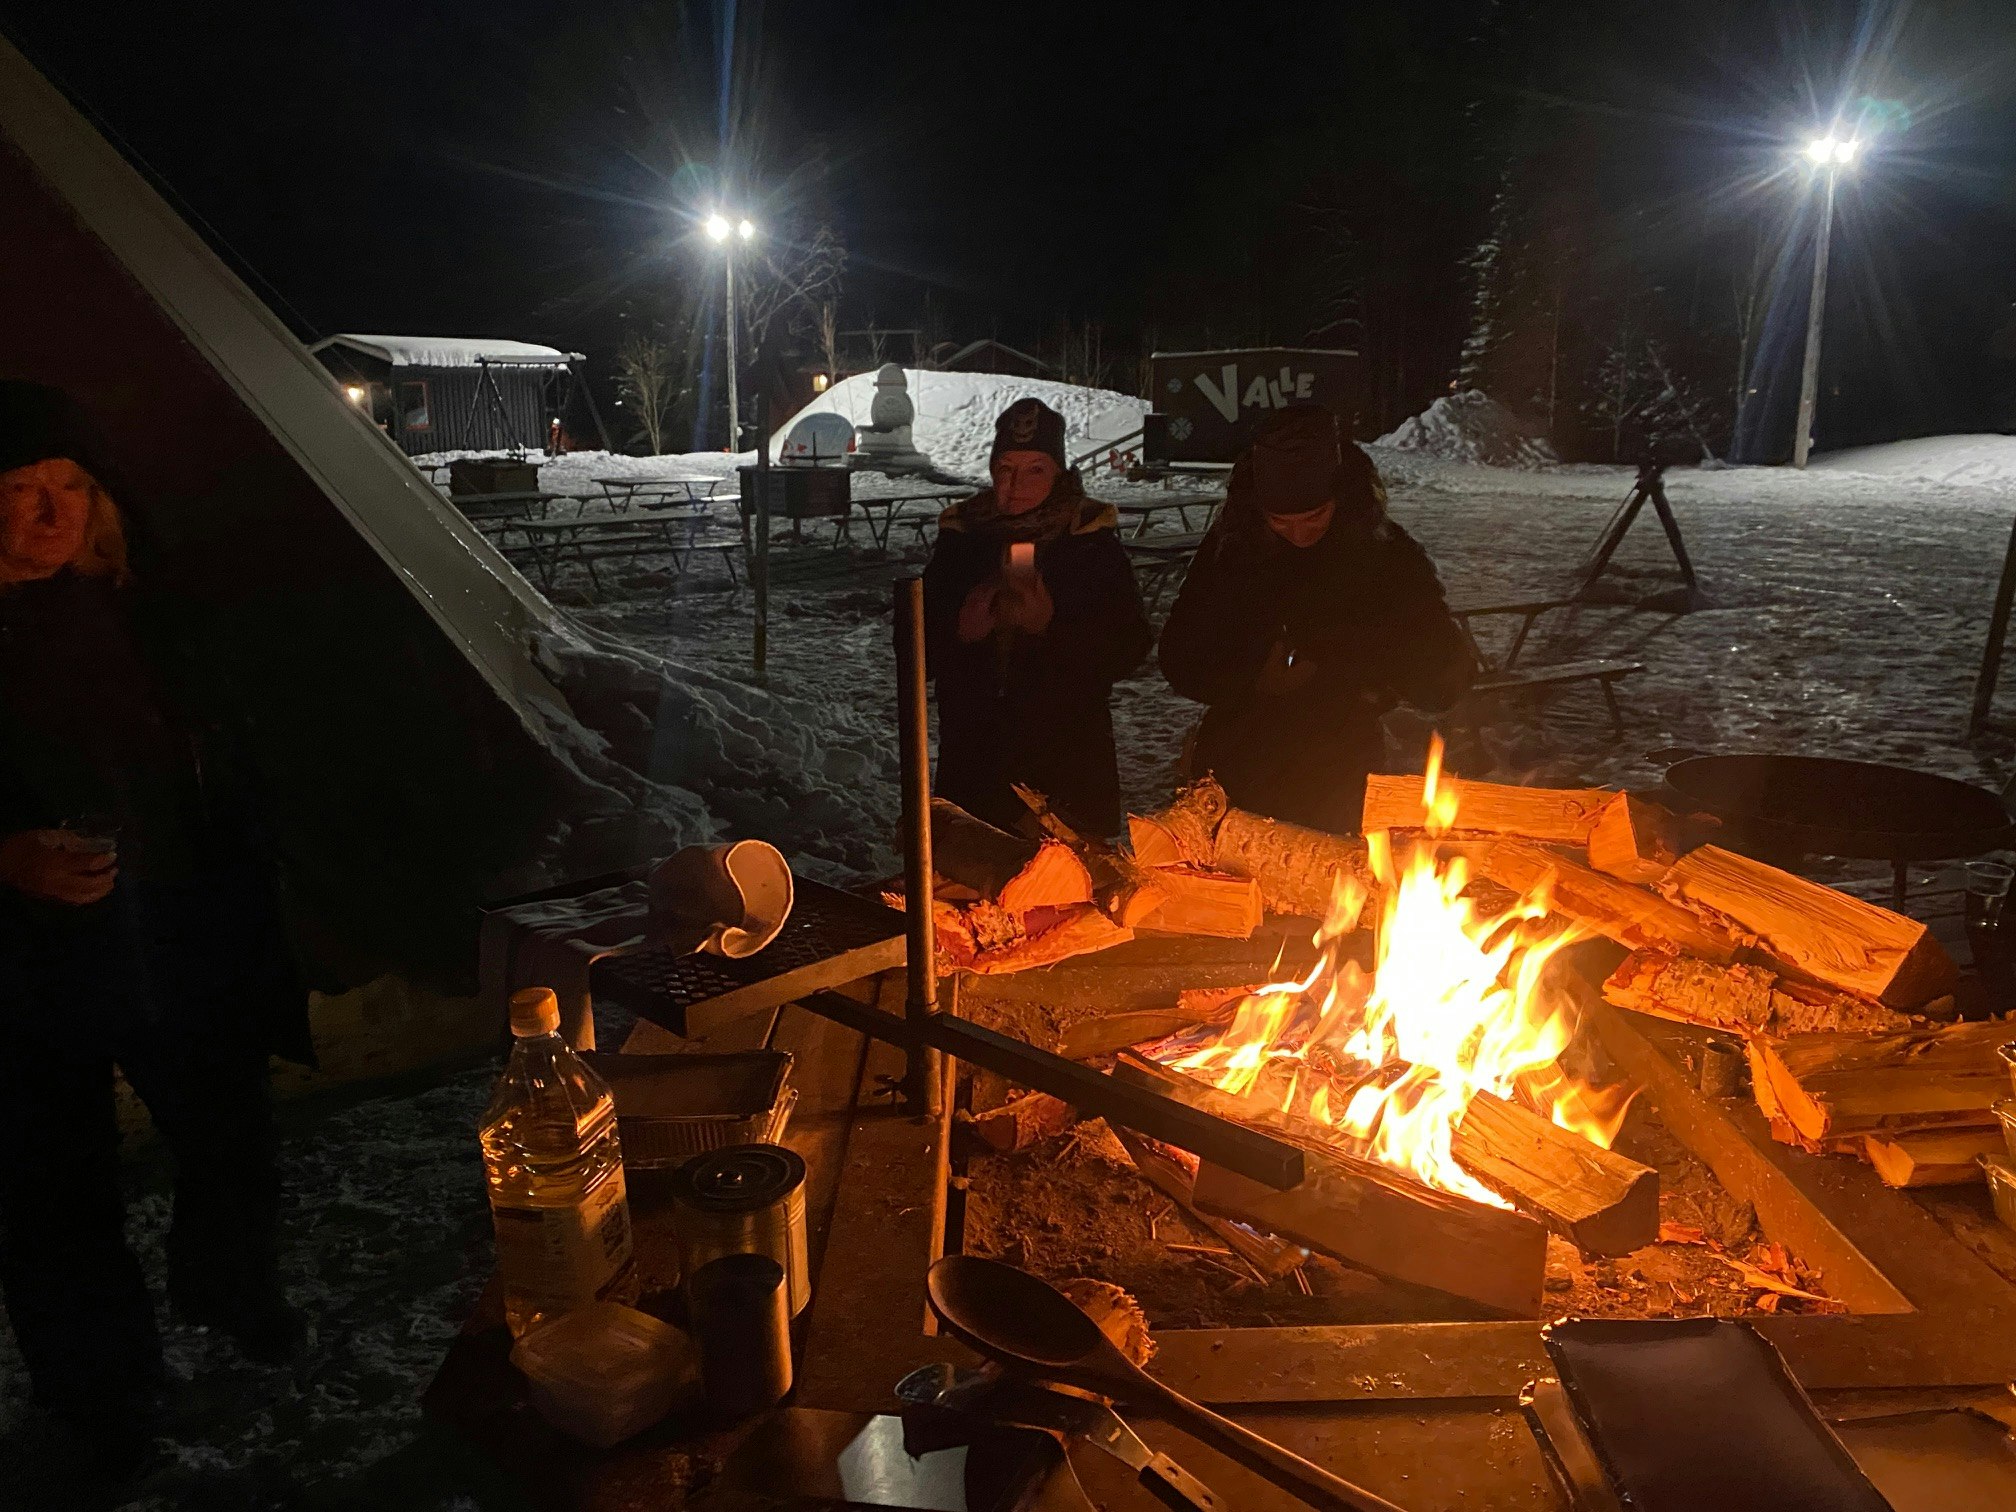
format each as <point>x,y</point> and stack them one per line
<point>413,406</point>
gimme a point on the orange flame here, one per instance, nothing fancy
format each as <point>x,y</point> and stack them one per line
<point>1386,1063</point>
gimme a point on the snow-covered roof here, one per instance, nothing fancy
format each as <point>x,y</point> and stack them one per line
<point>449,351</point>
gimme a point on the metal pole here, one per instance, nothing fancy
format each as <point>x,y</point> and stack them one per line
<point>1998,634</point>
<point>923,1075</point>
<point>1809,380</point>
<point>759,554</point>
<point>734,402</point>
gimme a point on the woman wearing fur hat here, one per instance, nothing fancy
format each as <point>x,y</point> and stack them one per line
<point>1032,615</point>
<point>1306,615</point>
<point>134,932</point>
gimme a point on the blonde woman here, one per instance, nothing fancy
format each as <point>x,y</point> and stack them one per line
<point>134,932</point>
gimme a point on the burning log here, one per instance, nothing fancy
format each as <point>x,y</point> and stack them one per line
<point>1617,910</point>
<point>1565,815</point>
<point>1378,1220</point>
<point>1932,1157</point>
<point>1827,1086</point>
<point>1026,1120</point>
<point>1604,1202</point>
<point>1189,901</point>
<point>1633,840</point>
<point>1744,999</point>
<point>1271,1258</point>
<point>1813,931</point>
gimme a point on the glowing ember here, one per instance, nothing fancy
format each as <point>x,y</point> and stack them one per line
<point>1385,1065</point>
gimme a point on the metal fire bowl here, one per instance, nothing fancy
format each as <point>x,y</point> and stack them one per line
<point>1784,806</point>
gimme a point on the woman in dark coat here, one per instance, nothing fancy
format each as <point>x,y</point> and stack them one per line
<point>134,932</point>
<point>1305,617</point>
<point>1031,616</point>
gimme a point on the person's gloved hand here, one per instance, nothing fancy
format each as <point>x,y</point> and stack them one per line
<point>977,614</point>
<point>1280,677</point>
<point>51,864</point>
<point>1026,604</point>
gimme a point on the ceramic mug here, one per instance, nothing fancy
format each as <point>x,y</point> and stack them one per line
<point>728,900</point>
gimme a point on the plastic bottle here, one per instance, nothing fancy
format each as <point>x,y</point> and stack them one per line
<point>555,1173</point>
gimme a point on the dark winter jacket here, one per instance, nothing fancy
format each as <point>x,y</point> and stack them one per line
<point>1362,605</point>
<point>1025,708</point>
<point>191,931</point>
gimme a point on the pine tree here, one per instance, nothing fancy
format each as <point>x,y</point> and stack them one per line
<point>1621,388</point>
<point>1484,267</point>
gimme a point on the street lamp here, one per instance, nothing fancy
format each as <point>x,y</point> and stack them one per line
<point>1829,155</point>
<point>723,232</point>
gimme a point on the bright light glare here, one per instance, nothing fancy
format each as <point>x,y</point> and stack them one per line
<point>745,230</point>
<point>356,394</point>
<point>718,227</point>
<point>1829,149</point>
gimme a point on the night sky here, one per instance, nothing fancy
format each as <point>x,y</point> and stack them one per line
<point>519,168</point>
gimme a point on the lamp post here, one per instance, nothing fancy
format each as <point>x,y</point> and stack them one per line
<point>720,230</point>
<point>1829,155</point>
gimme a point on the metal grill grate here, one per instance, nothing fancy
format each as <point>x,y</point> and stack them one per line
<point>824,923</point>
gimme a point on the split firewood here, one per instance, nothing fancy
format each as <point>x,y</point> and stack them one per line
<point>1564,815</point>
<point>1812,931</point>
<point>972,851</point>
<point>1378,1220</point>
<point>1740,999</point>
<point>1935,1157</point>
<point>1156,844</point>
<point>1185,831</point>
<point>1830,1085</point>
<point>1054,878</point>
<point>1298,868</point>
<point>1190,901</point>
<point>1629,915</point>
<point>1027,1120</point>
<point>1116,1312</point>
<point>1078,931</point>
<point>1602,1201</point>
<point>1271,1258</point>
<point>1633,840</point>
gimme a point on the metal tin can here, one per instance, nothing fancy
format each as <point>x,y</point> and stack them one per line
<point>745,1200</point>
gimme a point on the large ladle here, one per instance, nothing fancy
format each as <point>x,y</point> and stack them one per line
<point>1033,1329</point>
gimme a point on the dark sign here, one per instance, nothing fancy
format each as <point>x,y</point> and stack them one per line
<point>1205,403</point>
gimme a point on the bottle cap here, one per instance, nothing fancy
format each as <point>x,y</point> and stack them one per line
<point>534,1010</point>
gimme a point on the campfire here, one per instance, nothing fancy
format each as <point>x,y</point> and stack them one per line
<point>1384,1064</point>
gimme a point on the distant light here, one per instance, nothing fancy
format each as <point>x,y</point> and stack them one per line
<point>355,393</point>
<point>718,227</point>
<point>745,229</point>
<point>1824,150</point>
<point>820,383</point>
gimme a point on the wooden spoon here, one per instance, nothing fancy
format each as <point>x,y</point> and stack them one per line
<point>1030,1327</point>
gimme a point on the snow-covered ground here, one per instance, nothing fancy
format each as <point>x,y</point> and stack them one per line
<point>1844,612</point>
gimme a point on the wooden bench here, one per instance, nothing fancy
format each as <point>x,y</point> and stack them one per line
<point>1543,680</point>
<point>1160,560</point>
<point>1528,612</point>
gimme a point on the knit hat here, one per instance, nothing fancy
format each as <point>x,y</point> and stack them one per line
<point>38,422</point>
<point>1029,425</point>
<point>1295,456</point>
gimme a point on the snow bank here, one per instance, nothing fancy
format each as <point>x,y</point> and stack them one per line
<point>956,413</point>
<point>1471,427</point>
<point>1970,461</point>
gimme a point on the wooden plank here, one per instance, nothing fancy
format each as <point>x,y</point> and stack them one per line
<point>1617,910</point>
<point>1829,1084</point>
<point>1633,840</point>
<point>1933,1158</point>
<point>1814,932</point>
<point>1378,1220</point>
<point>1565,815</point>
<point>1740,999</point>
<point>1607,1204</point>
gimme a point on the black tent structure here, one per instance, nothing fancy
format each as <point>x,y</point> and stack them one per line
<point>402,682</point>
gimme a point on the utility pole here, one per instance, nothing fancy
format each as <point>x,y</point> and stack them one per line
<point>1809,380</point>
<point>734,400</point>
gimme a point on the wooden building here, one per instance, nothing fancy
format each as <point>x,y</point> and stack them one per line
<point>438,393</point>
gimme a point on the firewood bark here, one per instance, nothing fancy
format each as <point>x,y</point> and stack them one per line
<point>1271,1258</point>
<point>1297,868</point>
<point>1054,877</point>
<point>1607,1204</point>
<point>1156,844</point>
<point>1812,931</point>
<point>1827,1085</point>
<point>1740,999</point>
<point>1932,1158</point>
<point>1190,824</point>
<point>1564,815</point>
<point>1190,901</point>
<point>1629,915</point>
<point>1378,1220</point>
<point>972,851</point>
<point>1027,1120</point>
<point>1633,840</point>
<point>1080,931</point>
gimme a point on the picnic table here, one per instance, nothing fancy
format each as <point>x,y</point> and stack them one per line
<point>1505,678</point>
<point>1144,512</point>
<point>521,503</point>
<point>1159,560</point>
<point>547,544</point>
<point>623,492</point>
<point>893,505</point>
